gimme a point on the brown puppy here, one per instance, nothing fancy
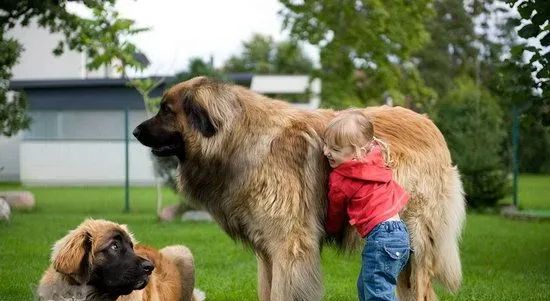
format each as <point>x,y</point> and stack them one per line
<point>100,261</point>
<point>257,165</point>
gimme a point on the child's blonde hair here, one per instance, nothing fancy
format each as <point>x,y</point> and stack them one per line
<point>353,128</point>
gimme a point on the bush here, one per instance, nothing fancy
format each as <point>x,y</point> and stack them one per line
<point>167,169</point>
<point>485,187</point>
<point>471,121</point>
<point>534,145</point>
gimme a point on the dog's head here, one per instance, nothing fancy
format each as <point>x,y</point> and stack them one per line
<point>100,254</point>
<point>189,113</point>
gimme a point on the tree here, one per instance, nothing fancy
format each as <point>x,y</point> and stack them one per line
<point>471,121</point>
<point>365,47</point>
<point>102,37</point>
<point>13,107</point>
<point>450,51</point>
<point>536,18</point>
<point>261,54</point>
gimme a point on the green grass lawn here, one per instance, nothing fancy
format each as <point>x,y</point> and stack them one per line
<point>534,193</point>
<point>502,259</point>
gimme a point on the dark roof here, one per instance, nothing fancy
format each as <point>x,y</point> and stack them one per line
<point>67,83</point>
<point>243,79</point>
<point>94,94</point>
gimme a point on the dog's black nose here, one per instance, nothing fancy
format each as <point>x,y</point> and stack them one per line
<point>147,266</point>
<point>136,131</point>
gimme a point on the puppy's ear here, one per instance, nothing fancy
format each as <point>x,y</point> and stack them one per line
<point>198,117</point>
<point>71,255</point>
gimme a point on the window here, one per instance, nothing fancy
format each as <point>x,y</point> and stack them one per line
<point>81,125</point>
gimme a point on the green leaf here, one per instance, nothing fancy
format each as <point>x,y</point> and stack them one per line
<point>545,41</point>
<point>58,50</point>
<point>531,48</point>
<point>515,22</point>
<point>525,9</point>
<point>539,19</point>
<point>535,58</point>
<point>544,72</point>
<point>517,50</point>
<point>529,31</point>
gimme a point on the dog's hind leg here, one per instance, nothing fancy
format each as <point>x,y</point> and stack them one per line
<point>415,282</point>
<point>264,278</point>
<point>296,272</point>
<point>404,284</point>
<point>415,285</point>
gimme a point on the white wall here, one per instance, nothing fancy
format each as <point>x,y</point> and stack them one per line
<point>83,163</point>
<point>289,84</point>
<point>38,62</point>
<point>9,158</point>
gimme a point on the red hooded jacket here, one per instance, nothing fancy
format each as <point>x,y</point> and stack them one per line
<point>365,192</point>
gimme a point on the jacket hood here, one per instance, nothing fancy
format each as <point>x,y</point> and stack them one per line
<point>372,168</point>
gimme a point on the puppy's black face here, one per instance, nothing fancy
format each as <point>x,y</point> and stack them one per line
<point>117,270</point>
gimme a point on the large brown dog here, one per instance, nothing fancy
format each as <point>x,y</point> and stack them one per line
<point>101,261</point>
<point>257,165</point>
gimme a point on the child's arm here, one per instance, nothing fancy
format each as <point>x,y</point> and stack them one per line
<point>336,209</point>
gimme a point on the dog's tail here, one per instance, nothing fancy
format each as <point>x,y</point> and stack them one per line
<point>453,212</point>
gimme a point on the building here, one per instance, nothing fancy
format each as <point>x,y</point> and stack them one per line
<point>77,136</point>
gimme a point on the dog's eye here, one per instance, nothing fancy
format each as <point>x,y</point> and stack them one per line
<point>164,107</point>
<point>115,246</point>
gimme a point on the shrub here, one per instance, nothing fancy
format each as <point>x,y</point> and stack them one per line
<point>471,121</point>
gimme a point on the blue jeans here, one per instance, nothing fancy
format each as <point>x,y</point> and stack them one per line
<point>385,254</point>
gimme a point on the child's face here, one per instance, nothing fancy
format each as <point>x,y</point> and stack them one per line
<point>338,155</point>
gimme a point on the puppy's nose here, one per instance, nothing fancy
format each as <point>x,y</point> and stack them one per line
<point>147,266</point>
<point>136,131</point>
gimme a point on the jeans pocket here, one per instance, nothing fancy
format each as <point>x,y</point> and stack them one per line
<point>395,258</point>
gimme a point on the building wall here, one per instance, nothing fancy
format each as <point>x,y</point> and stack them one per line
<point>91,125</point>
<point>77,134</point>
<point>83,148</point>
<point>84,163</point>
<point>38,62</point>
<point>9,158</point>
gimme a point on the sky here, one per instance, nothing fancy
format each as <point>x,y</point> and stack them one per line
<point>182,29</point>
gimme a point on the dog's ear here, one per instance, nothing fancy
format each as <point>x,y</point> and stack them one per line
<point>198,117</point>
<point>130,234</point>
<point>71,255</point>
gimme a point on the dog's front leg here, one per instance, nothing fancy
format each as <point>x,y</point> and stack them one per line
<point>264,278</point>
<point>296,272</point>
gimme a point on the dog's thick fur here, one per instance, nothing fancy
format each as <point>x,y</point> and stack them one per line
<point>80,267</point>
<point>257,165</point>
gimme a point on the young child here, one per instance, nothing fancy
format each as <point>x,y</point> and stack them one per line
<point>361,188</point>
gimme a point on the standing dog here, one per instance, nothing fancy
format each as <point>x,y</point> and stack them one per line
<point>101,261</point>
<point>257,165</point>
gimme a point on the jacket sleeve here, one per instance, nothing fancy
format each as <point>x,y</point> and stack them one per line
<point>336,209</point>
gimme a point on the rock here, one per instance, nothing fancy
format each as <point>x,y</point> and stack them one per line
<point>169,213</point>
<point>4,209</point>
<point>508,209</point>
<point>19,199</point>
<point>195,215</point>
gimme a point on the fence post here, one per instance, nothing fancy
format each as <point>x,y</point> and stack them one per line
<point>515,154</point>
<point>126,162</point>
